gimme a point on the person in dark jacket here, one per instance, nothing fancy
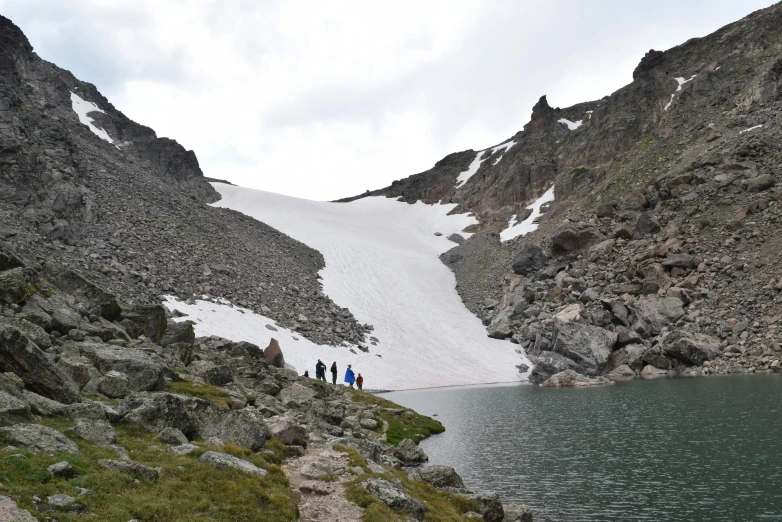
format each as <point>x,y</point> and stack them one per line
<point>360,382</point>
<point>320,371</point>
<point>334,373</point>
<point>350,377</point>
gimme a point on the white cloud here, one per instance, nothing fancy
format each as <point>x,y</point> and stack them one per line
<point>328,99</point>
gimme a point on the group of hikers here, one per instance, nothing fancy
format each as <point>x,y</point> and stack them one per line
<point>350,376</point>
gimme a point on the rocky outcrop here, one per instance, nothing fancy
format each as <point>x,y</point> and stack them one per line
<point>217,460</point>
<point>37,438</point>
<point>572,378</point>
<point>394,497</point>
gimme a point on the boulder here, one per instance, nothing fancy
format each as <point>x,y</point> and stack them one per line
<point>273,354</point>
<point>181,354</point>
<point>651,372</point>
<point>528,260</point>
<point>37,438</point>
<point>517,512</point>
<point>215,374</point>
<point>134,469</point>
<point>114,385</point>
<point>178,333</point>
<point>548,364</point>
<point>172,436</point>
<point>621,373</point>
<point>679,260</point>
<point>296,395</point>
<point>567,238</point>
<point>500,327</point>
<point>690,348</point>
<point>22,357</point>
<point>285,429</point>
<point>60,500</point>
<point>17,285</point>
<point>572,378</point>
<point>441,477</point>
<point>90,423</point>
<point>589,346</point>
<point>645,224</point>
<point>223,461</point>
<point>142,371</point>
<point>13,410</point>
<point>245,428</point>
<point>760,183</point>
<point>394,497</point>
<point>490,505</point>
<point>653,313</point>
<point>42,406</point>
<point>95,299</point>
<point>9,512</point>
<point>61,469</point>
<point>367,448</point>
<point>410,453</point>
<point>313,466</point>
<point>147,320</point>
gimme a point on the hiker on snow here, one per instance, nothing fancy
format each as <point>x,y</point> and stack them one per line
<point>320,371</point>
<point>334,373</point>
<point>359,381</point>
<point>350,377</point>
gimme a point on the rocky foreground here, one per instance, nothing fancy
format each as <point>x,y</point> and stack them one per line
<point>111,411</point>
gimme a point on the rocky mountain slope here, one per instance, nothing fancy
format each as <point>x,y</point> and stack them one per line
<point>84,187</point>
<point>660,252</point>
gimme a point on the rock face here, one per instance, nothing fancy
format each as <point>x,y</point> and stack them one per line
<point>589,346</point>
<point>571,378</point>
<point>20,356</point>
<point>691,348</point>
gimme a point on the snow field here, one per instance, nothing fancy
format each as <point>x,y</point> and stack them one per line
<point>572,125</point>
<point>382,263</point>
<point>528,225</point>
<point>479,158</point>
<point>83,108</point>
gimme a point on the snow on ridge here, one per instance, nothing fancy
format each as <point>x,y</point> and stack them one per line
<point>480,157</point>
<point>751,129</point>
<point>590,114</point>
<point>382,263</point>
<point>572,125</point>
<point>528,225</point>
<point>681,81</point>
<point>83,108</point>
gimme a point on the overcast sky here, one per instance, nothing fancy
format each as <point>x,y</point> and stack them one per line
<point>325,99</point>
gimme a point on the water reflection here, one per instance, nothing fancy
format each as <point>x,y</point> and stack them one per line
<point>670,449</point>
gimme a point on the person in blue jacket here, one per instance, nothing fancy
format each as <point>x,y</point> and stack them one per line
<point>350,377</point>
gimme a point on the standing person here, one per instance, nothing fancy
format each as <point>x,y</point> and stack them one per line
<point>334,373</point>
<point>306,373</point>
<point>360,382</point>
<point>320,371</point>
<point>350,377</point>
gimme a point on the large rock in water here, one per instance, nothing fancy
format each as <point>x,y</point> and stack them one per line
<point>548,364</point>
<point>572,378</point>
<point>529,260</point>
<point>20,356</point>
<point>691,348</point>
<point>273,354</point>
<point>589,346</point>
<point>653,313</point>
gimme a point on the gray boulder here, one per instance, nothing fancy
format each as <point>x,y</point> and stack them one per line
<point>42,406</point>
<point>9,512</point>
<point>172,436</point>
<point>441,477</point>
<point>134,469</point>
<point>517,512</point>
<point>143,372</point>
<point>296,395</point>
<point>285,429</point>
<point>20,356</point>
<point>90,423</point>
<point>653,313</point>
<point>567,238</point>
<point>242,427</point>
<point>17,285</point>
<point>273,354</point>
<point>529,260</point>
<point>760,183</point>
<point>367,448</point>
<point>178,333</point>
<point>61,469</point>
<point>114,385</point>
<point>410,453</point>
<point>60,500</point>
<point>313,466</point>
<point>215,374</point>
<point>548,364</point>
<point>587,345</point>
<point>690,348</point>
<point>13,410</point>
<point>37,438</point>
<point>394,497</point>
<point>491,506</point>
<point>223,461</point>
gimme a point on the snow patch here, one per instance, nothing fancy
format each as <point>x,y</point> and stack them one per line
<point>473,168</point>
<point>382,262</point>
<point>83,108</point>
<point>528,225</point>
<point>479,159</point>
<point>590,114</point>
<point>572,125</point>
<point>751,129</point>
<point>681,81</point>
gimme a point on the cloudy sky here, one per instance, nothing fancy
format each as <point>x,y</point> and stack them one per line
<point>327,99</point>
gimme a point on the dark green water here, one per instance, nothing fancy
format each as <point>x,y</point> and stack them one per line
<point>663,450</point>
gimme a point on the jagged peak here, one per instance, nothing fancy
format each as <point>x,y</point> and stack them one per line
<point>12,37</point>
<point>650,60</point>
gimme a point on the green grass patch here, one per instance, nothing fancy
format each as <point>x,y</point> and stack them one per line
<point>405,425</point>
<point>355,458</point>
<point>207,392</point>
<point>186,490</point>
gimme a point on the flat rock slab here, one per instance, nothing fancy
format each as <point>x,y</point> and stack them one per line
<point>222,461</point>
<point>133,469</point>
<point>10,513</point>
<point>316,487</point>
<point>37,438</point>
